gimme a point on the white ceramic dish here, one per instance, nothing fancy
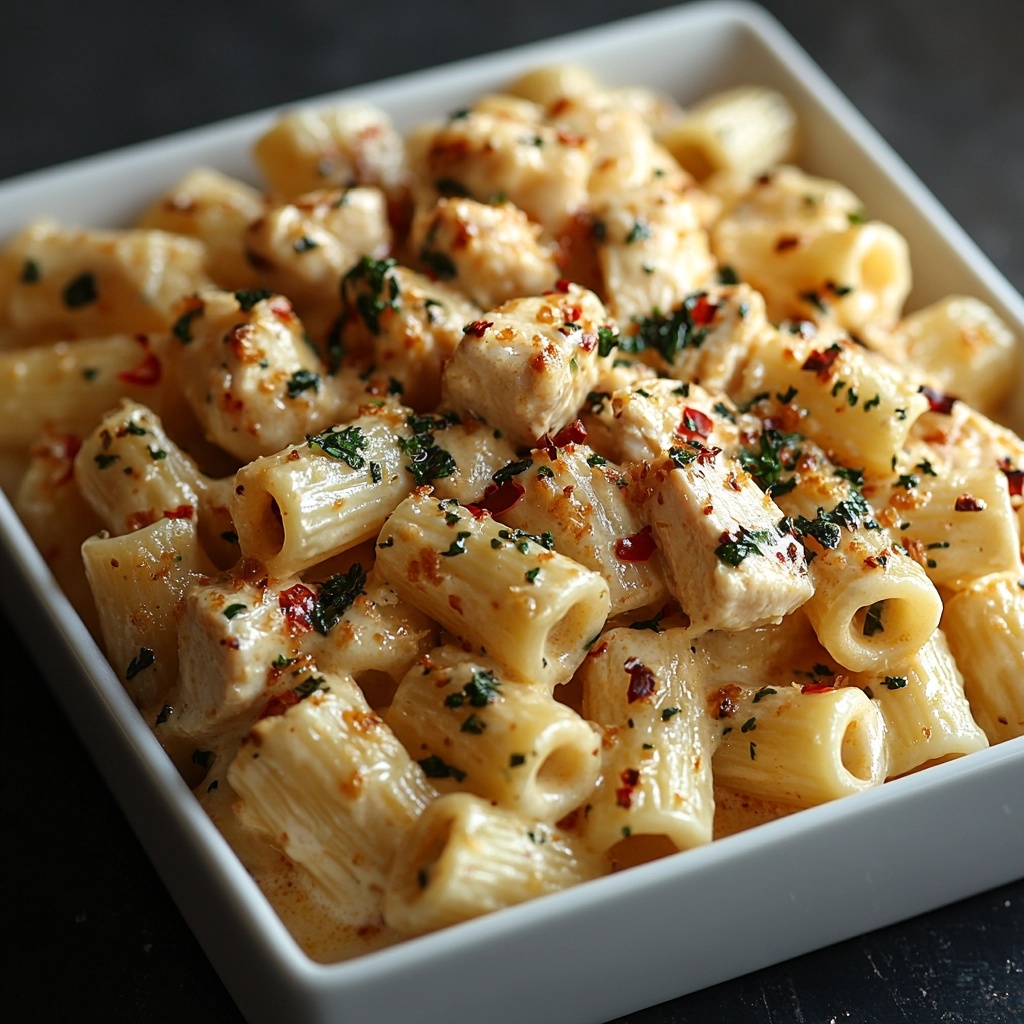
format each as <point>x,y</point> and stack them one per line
<point>645,935</point>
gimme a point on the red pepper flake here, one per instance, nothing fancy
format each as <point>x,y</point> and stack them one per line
<point>938,401</point>
<point>574,433</point>
<point>1014,477</point>
<point>297,603</point>
<point>568,138</point>
<point>787,242</point>
<point>146,373</point>
<point>563,284</point>
<point>636,548</point>
<point>969,503</point>
<point>820,362</point>
<point>280,703</point>
<point>642,682</point>
<point>599,649</point>
<point>624,794</point>
<point>817,687</point>
<point>723,703</point>
<point>498,498</point>
<point>588,341</point>
<point>704,311</point>
<point>478,328</point>
<point>181,512</point>
<point>695,424</point>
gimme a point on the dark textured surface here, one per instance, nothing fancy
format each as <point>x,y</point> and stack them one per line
<point>95,936</point>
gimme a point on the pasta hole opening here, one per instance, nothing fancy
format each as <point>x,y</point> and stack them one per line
<point>425,864</point>
<point>883,623</point>
<point>856,752</point>
<point>560,768</point>
<point>569,634</point>
<point>694,159</point>
<point>640,849</point>
<point>879,265</point>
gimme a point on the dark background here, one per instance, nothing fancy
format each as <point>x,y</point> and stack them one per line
<point>95,936</point>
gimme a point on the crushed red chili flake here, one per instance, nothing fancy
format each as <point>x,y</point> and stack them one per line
<point>498,498</point>
<point>563,284</point>
<point>280,703</point>
<point>703,311</point>
<point>599,649</point>
<point>723,702</point>
<point>146,373</point>
<point>938,401</point>
<point>817,687</point>
<point>695,424</point>
<point>181,512</point>
<point>820,361</point>
<point>574,433</point>
<point>281,308</point>
<point>297,603</point>
<point>642,682</point>
<point>588,341</point>
<point>969,503</point>
<point>624,794</point>
<point>638,547</point>
<point>1014,477</point>
<point>787,242</point>
<point>478,328</point>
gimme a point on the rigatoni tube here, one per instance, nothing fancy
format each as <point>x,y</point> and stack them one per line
<point>465,858</point>
<point>506,593</point>
<point>473,729</point>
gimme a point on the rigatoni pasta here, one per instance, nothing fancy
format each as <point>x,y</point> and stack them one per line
<point>477,511</point>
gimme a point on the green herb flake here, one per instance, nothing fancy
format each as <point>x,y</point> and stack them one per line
<point>532,574</point>
<point>667,713</point>
<point>371,289</point>
<point>336,595</point>
<point>745,542</point>
<point>142,660</point>
<point>749,725</point>
<point>596,460</point>
<point>29,272</point>
<point>81,291</point>
<point>895,682</point>
<point>248,297</point>
<point>473,725</point>
<point>639,232</point>
<point>873,619</point>
<point>434,768</point>
<point>457,546</point>
<point>727,275</point>
<point>344,444</point>
<point>303,380</point>
<point>234,609</point>
<point>765,691</point>
<point>105,461</point>
<point>515,760</point>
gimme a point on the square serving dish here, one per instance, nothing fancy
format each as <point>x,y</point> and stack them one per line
<point>651,933</point>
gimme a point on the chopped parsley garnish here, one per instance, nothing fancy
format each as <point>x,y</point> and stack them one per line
<point>248,297</point>
<point>653,624</point>
<point>457,546</point>
<point>749,725</point>
<point>371,288</point>
<point>669,335</point>
<point>81,291</point>
<point>532,574</point>
<point>105,461</point>
<point>343,444</point>
<point>473,725</point>
<point>234,609</point>
<point>639,232</point>
<point>895,682</point>
<point>302,380</point>
<point>667,713</point>
<point>440,263</point>
<point>515,760</point>
<point>763,692</point>
<point>745,542</point>
<point>304,243</point>
<point>434,768</point>
<point>427,460</point>
<point>29,272</point>
<point>873,619</point>
<point>503,475</point>
<point>142,660</point>
<point>336,595</point>
<point>727,275</point>
<point>775,454</point>
<point>607,339</point>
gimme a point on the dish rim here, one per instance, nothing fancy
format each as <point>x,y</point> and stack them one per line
<point>105,695</point>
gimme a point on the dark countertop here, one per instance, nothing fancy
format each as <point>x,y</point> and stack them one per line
<point>95,935</point>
